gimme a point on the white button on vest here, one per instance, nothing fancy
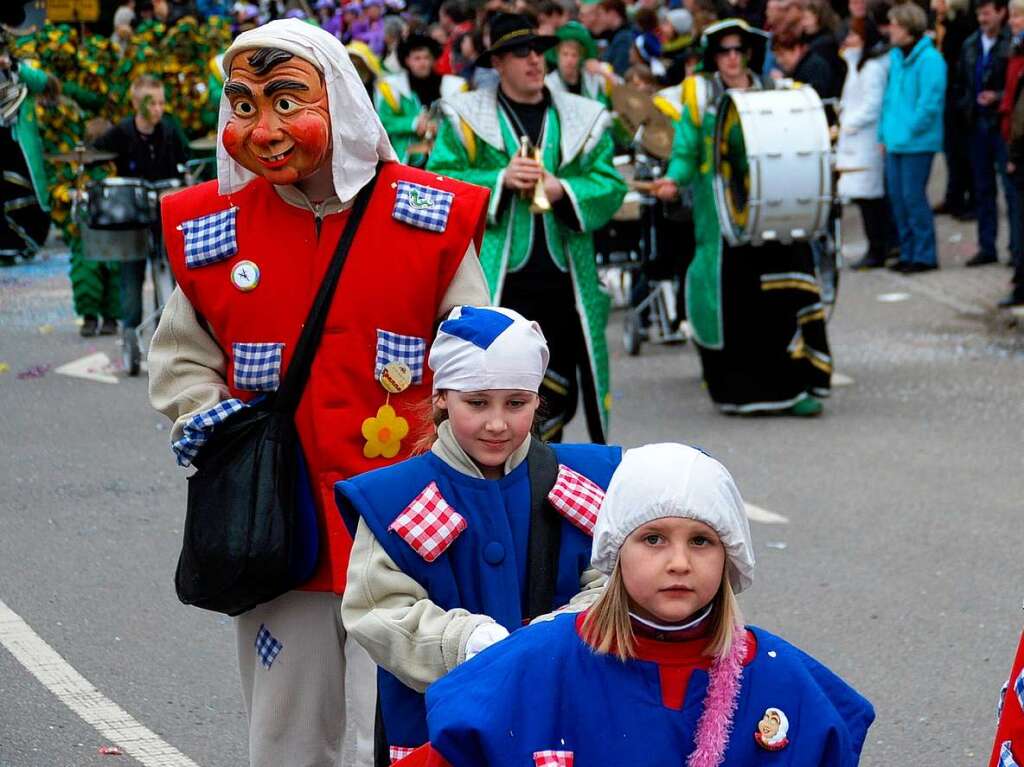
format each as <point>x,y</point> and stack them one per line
<point>245,275</point>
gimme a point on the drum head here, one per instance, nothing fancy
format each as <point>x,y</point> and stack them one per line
<point>733,166</point>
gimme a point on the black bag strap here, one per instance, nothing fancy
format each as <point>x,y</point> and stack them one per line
<point>545,531</point>
<point>290,392</point>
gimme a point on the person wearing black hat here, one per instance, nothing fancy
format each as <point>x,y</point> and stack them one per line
<point>540,263</point>
<point>404,99</point>
<point>755,312</point>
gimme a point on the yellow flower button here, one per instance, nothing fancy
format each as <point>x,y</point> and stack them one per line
<point>384,433</point>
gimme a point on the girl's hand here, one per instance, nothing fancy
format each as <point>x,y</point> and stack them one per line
<point>665,189</point>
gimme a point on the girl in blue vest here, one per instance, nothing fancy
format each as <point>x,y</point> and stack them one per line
<point>661,671</point>
<point>458,547</point>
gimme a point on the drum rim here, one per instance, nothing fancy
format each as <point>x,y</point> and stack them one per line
<point>131,181</point>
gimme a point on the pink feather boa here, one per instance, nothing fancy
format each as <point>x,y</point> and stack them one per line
<point>715,722</point>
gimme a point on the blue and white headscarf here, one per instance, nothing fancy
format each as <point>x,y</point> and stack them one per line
<point>478,349</point>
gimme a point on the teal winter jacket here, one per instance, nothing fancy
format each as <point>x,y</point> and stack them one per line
<point>915,97</point>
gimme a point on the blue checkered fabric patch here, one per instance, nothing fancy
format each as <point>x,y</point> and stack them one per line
<point>1006,755</point>
<point>199,427</point>
<point>422,206</point>
<point>267,648</point>
<point>209,239</point>
<point>394,347</point>
<point>257,366</point>
<point>1018,687</point>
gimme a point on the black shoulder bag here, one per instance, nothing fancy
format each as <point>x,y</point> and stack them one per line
<point>240,546</point>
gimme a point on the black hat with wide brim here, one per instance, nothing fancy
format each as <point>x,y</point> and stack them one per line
<point>415,42</point>
<point>510,31</point>
<point>754,39</point>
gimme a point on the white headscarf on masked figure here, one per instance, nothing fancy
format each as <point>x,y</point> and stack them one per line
<point>359,141</point>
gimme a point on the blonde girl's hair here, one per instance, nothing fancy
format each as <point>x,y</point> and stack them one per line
<point>1016,6</point>
<point>608,629</point>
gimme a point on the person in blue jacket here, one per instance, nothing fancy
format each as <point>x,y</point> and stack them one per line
<point>910,129</point>
<point>458,547</point>
<point>661,671</point>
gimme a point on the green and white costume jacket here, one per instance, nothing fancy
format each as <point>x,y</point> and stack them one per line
<point>475,143</point>
<point>25,132</point>
<point>693,164</point>
<point>399,107</point>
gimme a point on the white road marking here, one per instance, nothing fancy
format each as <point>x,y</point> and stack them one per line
<point>757,514</point>
<point>892,298</point>
<point>92,367</point>
<point>74,690</point>
<point>838,379</point>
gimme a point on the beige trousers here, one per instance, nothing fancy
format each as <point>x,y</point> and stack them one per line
<point>310,691</point>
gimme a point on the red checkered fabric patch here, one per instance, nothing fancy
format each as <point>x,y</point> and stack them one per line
<point>398,753</point>
<point>576,498</point>
<point>429,524</point>
<point>552,758</point>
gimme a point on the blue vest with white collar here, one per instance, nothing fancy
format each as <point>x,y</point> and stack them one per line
<point>484,569</point>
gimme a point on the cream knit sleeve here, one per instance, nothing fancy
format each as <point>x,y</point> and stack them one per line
<point>390,615</point>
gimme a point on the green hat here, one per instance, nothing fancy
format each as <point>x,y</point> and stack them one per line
<point>577,33</point>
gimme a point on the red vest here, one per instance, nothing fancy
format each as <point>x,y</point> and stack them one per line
<point>394,280</point>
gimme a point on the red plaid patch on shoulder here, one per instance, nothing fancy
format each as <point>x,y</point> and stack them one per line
<point>552,758</point>
<point>398,753</point>
<point>576,498</point>
<point>429,524</point>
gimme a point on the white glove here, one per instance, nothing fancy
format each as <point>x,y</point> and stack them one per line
<point>483,637</point>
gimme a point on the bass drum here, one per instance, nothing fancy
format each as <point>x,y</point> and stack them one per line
<point>773,175</point>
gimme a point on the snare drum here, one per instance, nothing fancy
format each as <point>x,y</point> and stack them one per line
<point>119,204</point>
<point>773,176</point>
<point>109,244</point>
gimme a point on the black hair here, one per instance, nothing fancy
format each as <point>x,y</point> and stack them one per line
<point>265,59</point>
<point>1000,5</point>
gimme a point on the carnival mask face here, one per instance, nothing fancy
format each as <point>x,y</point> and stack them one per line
<point>280,126</point>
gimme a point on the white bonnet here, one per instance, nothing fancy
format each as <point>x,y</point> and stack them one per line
<point>359,138</point>
<point>671,480</point>
<point>481,348</point>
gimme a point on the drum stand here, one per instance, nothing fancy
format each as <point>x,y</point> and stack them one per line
<point>659,305</point>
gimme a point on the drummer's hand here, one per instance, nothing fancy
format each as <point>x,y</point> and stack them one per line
<point>522,173</point>
<point>1011,167</point>
<point>553,187</point>
<point>665,189</point>
<point>988,98</point>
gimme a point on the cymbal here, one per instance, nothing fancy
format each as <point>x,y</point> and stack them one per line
<point>634,106</point>
<point>83,156</point>
<point>852,170</point>
<point>658,136</point>
<point>204,144</point>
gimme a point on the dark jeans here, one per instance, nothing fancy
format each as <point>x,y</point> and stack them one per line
<point>906,175</point>
<point>133,279</point>
<point>988,157</point>
<point>1018,267</point>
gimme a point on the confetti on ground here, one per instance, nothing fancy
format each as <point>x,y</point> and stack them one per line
<point>36,371</point>
<point>956,237</point>
<point>46,329</point>
<point>893,298</point>
<point>838,379</point>
<point>780,545</point>
<point>4,367</point>
<point>111,751</point>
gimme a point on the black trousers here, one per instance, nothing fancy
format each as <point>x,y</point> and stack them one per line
<point>875,214</point>
<point>23,224</point>
<point>551,303</point>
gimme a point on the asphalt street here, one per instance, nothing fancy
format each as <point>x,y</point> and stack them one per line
<point>899,565</point>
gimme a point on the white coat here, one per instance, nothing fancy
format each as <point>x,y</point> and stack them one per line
<point>860,110</point>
